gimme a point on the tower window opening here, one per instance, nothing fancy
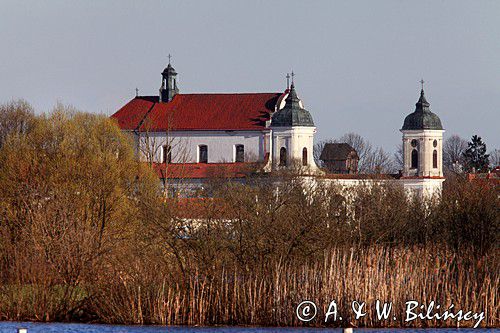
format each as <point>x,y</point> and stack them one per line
<point>283,156</point>
<point>304,156</point>
<point>202,154</point>
<point>435,159</point>
<point>414,159</point>
<point>240,153</point>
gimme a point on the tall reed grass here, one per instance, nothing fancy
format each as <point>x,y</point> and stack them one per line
<point>270,296</point>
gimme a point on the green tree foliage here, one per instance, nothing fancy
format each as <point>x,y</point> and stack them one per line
<point>475,156</point>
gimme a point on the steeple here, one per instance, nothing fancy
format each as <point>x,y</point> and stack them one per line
<point>168,87</point>
<point>422,104</point>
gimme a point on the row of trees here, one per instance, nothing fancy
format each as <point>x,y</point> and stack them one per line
<point>458,155</point>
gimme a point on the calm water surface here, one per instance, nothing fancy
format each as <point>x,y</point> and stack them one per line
<point>11,327</point>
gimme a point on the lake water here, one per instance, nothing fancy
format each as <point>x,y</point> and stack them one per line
<point>11,327</point>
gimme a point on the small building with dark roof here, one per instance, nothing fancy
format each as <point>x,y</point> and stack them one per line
<point>340,158</point>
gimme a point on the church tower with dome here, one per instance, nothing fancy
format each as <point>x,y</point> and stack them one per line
<point>293,130</point>
<point>422,142</point>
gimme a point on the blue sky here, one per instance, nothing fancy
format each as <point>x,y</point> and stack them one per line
<point>358,63</point>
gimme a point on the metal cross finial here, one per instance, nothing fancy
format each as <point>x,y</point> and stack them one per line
<point>422,83</point>
<point>287,80</point>
<point>169,57</point>
<point>293,74</point>
<point>136,92</point>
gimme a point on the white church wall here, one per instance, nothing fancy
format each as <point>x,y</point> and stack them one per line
<point>221,145</point>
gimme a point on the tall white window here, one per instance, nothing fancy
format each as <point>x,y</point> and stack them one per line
<point>203,154</point>
<point>304,156</point>
<point>282,156</point>
<point>240,153</point>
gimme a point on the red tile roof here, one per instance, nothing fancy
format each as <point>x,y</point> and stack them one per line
<point>198,112</point>
<point>492,178</point>
<point>201,208</point>
<point>205,170</point>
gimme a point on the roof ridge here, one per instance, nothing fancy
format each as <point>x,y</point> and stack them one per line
<point>231,93</point>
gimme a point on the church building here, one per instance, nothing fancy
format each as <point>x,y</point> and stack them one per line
<point>192,138</point>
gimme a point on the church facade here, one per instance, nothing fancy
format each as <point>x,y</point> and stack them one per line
<point>192,138</point>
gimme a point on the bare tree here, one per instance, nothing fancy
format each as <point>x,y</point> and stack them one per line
<point>15,117</point>
<point>495,158</point>
<point>378,161</point>
<point>453,150</point>
<point>398,160</point>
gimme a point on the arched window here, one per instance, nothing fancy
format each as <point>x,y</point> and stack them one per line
<point>202,154</point>
<point>304,156</point>
<point>240,153</point>
<point>167,154</point>
<point>435,159</point>
<point>283,156</point>
<point>414,159</point>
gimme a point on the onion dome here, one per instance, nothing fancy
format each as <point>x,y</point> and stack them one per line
<point>292,114</point>
<point>422,118</point>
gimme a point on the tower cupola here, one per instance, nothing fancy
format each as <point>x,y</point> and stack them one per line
<point>422,118</point>
<point>292,114</point>
<point>422,141</point>
<point>168,87</point>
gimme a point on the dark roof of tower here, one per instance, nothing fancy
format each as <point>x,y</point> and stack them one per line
<point>337,152</point>
<point>422,118</point>
<point>169,70</point>
<point>292,114</point>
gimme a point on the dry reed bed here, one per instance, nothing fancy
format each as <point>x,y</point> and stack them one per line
<point>269,296</point>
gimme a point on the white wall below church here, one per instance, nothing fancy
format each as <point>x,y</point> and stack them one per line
<point>221,145</point>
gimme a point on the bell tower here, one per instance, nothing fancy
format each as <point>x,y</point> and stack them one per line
<point>168,87</point>
<point>293,132</point>
<point>422,141</point>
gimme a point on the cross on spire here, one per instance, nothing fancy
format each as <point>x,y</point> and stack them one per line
<point>169,57</point>
<point>287,80</point>
<point>293,75</point>
<point>422,83</point>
